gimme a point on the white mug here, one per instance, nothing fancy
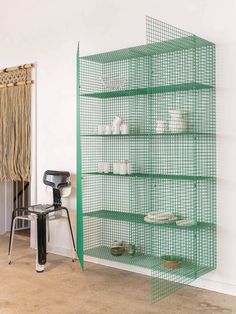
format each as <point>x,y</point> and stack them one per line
<point>117,121</point>
<point>123,168</point>
<point>107,129</point>
<point>106,167</point>
<point>100,166</point>
<point>178,121</point>
<point>116,167</point>
<point>160,126</point>
<point>129,168</point>
<point>115,129</point>
<point>124,128</point>
<point>100,129</point>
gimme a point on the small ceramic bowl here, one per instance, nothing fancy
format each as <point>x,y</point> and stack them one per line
<point>117,251</point>
<point>172,261</point>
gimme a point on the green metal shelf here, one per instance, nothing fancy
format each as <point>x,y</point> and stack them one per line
<point>139,218</point>
<point>188,270</point>
<point>152,176</point>
<point>171,79</point>
<point>188,42</point>
<point>149,134</point>
<point>148,90</point>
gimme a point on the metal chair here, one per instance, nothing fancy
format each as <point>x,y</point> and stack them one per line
<point>40,213</point>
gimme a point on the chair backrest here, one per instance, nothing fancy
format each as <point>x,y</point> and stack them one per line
<point>57,180</point>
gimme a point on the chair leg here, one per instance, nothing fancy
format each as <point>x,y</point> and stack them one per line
<point>72,237</point>
<point>12,219</point>
<point>13,226</point>
<point>39,268</point>
<point>48,230</point>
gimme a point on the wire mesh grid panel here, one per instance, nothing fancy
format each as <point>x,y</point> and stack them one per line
<point>147,128</point>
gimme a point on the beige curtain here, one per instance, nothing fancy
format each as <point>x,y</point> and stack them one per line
<point>15,116</point>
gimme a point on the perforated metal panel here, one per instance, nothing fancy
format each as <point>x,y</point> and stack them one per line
<point>172,169</point>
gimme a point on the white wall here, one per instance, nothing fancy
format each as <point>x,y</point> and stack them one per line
<point>48,31</point>
<point>6,206</point>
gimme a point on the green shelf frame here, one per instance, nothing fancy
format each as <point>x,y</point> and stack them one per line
<point>148,134</point>
<point>170,171</point>
<point>151,176</point>
<point>139,218</point>
<point>148,90</point>
<point>168,46</point>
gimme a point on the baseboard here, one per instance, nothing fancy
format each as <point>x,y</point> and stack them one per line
<point>217,286</point>
<point>131,268</point>
<point>59,250</point>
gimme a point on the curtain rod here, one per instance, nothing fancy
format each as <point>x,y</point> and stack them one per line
<point>28,82</point>
<point>20,67</point>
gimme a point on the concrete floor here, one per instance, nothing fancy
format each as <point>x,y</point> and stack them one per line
<point>64,289</point>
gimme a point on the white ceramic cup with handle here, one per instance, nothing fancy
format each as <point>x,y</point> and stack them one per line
<point>115,129</point>
<point>100,166</point>
<point>117,121</point>
<point>124,128</point>
<point>178,121</point>
<point>100,129</point>
<point>160,126</point>
<point>123,168</point>
<point>106,167</point>
<point>129,167</point>
<point>116,167</point>
<point>107,129</point>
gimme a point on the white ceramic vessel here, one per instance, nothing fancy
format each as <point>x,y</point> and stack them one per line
<point>123,168</point>
<point>186,222</point>
<point>106,167</point>
<point>107,129</point>
<point>115,129</point>
<point>116,167</point>
<point>161,126</point>
<point>177,121</point>
<point>124,128</point>
<point>100,129</point>
<point>100,166</point>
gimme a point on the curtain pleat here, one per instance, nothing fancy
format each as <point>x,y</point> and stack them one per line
<point>15,140</point>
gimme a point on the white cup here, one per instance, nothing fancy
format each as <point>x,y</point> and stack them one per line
<point>160,126</point>
<point>106,167</point>
<point>129,168</point>
<point>100,129</point>
<point>115,129</point>
<point>116,167</point>
<point>100,166</point>
<point>178,121</point>
<point>124,128</point>
<point>123,168</point>
<point>107,129</point>
<point>117,120</point>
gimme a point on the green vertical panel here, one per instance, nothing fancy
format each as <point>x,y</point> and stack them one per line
<point>187,154</point>
<point>79,209</point>
<point>172,171</point>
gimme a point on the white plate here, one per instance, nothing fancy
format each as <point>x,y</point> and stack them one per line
<point>186,223</point>
<point>160,215</point>
<point>160,221</point>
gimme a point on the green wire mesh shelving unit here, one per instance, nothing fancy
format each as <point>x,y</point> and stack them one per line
<point>171,171</point>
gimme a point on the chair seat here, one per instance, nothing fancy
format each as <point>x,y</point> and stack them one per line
<point>40,208</point>
<point>26,217</point>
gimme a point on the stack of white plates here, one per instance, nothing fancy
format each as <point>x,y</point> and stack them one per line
<point>160,217</point>
<point>186,222</point>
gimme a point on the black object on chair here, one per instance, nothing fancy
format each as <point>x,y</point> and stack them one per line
<point>39,213</point>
